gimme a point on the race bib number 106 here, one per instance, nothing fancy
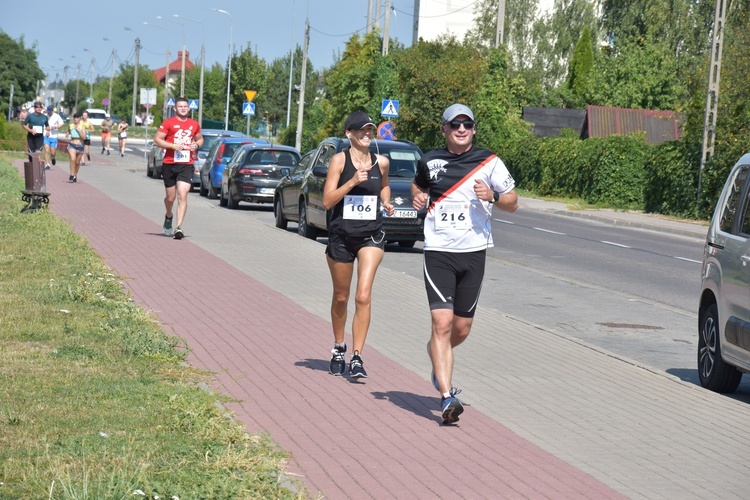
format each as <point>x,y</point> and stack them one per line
<point>360,207</point>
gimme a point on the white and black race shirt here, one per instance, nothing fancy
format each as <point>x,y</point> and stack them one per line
<point>458,221</point>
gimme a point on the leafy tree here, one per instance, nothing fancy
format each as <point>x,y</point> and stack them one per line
<point>580,67</point>
<point>122,90</point>
<point>278,90</point>
<point>248,73</point>
<point>19,67</point>
<point>433,75</point>
<point>350,84</point>
<point>214,90</point>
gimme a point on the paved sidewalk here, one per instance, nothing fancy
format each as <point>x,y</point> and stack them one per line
<point>549,416</point>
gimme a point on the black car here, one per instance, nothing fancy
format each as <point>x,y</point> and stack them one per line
<point>299,195</point>
<point>253,173</point>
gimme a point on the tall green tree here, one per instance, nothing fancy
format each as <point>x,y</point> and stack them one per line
<point>248,73</point>
<point>214,90</point>
<point>432,76</point>
<point>19,67</point>
<point>277,101</point>
<point>350,84</point>
<point>580,68</point>
<point>122,90</point>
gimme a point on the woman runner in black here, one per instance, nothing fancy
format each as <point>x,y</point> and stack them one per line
<point>355,195</point>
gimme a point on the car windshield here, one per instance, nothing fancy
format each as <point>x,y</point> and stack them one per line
<point>403,162</point>
<point>272,157</point>
<point>208,141</point>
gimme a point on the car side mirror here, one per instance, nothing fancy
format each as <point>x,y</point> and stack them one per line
<point>224,161</point>
<point>202,156</point>
<point>320,171</point>
<point>149,143</point>
<point>285,171</point>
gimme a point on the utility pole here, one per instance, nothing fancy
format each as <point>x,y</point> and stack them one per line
<point>91,82</point>
<point>712,99</point>
<point>182,81</point>
<point>135,79</point>
<point>301,107</point>
<point>369,17</point>
<point>10,102</point>
<point>200,97</point>
<point>78,85</point>
<point>111,78</point>
<point>386,27</point>
<point>166,87</point>
<point>499,30</point>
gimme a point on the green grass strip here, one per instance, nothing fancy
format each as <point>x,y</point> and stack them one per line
<point>95,399</point>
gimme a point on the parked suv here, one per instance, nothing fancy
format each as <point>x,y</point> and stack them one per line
<point>724,310</point>
<point>299,196</point>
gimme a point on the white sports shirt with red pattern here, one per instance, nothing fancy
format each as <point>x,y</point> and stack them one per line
<point>458,221</point>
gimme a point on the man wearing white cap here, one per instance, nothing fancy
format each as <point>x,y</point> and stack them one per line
<point>459,185</point>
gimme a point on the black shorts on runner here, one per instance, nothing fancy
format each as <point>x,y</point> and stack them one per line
<point>35,142</point>
<point>87,142</point>
<point>454,280</point>
<point>345,248</point>
<point>173,173</point>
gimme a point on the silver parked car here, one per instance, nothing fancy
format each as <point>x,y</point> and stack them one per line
<point>724,311</point>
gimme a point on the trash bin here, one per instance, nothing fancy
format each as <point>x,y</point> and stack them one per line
<point>35,194</point>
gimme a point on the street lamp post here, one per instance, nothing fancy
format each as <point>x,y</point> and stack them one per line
<point>229,64</point>
<point>135,74</point>
<point>203,66</point>
<point>91,82</point>
<point>166,71</point>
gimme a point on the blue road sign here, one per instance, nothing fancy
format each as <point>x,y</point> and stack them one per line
<point>170,102</point>
<point>386,132</point>
<point>248,108</point>
<point>193,104</point>
<point>390,108</point>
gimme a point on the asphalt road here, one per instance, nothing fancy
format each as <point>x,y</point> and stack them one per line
<point>630,291</point>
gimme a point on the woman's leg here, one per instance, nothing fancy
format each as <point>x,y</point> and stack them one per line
<point>341,275</point>
<point>368,260</point>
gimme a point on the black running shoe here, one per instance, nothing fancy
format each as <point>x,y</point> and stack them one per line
<point>102,150</point>
<point>338,361</point>
<point>88,157</point>
<point>108,152</point>
<point>53,160</point>
<point>70,178</point>
<point>356,370</point>
<point>47,167</point>
<point>178,234</point>
<point>75,179</point>
<point>452,408</point>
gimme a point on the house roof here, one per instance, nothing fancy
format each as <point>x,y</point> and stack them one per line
<point>174,67</point>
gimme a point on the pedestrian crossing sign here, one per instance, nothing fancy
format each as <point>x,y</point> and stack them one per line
<point>390,108</point>
<point>193,104</point>
<point>170,102</point>
<point>248,108</point>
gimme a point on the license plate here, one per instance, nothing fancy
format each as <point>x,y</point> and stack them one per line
<point>404,214</point>
<point>266,190</point>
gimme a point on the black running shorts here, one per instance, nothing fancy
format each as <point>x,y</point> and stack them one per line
<point>345,248</point>
<point>454,280</point>
<point>173,173</point>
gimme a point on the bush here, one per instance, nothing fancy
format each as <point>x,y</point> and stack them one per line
<point>672,179</point>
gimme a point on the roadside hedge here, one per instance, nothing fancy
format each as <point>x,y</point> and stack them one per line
<point>605,172</point>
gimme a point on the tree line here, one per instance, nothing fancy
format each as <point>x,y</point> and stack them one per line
<point>650,54</point>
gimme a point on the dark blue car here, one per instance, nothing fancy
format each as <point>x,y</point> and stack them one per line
<point>216,160</point>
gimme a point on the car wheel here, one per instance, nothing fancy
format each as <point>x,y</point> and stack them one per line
<point>204,190</point>
<point>231,202</point>
<point>281,221</point>
<point>212,194</point>
<point>406,244</point>
<point>223,197</point>
<point>303,228</point>
<point>714,373</point>
<point>149,170</point>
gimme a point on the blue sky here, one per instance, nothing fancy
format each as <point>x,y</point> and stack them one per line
<point>63,30</point>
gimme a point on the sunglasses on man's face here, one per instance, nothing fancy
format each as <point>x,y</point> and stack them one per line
<point>456,124</point>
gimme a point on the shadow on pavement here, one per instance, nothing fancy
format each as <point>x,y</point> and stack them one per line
<point>422,406</point>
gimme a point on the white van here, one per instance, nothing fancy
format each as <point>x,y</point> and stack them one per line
<point>96,116</point>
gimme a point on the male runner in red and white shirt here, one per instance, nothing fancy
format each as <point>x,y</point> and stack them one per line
<point>459,185</point>
<point>181,137</point>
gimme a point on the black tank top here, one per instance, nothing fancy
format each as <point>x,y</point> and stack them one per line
<point>348,226</point>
